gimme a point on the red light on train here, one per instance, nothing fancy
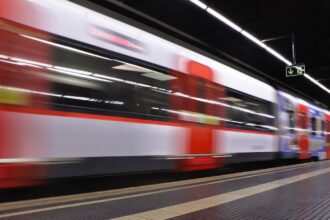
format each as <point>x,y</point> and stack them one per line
<point>200,70</point>
<point>116,38</point>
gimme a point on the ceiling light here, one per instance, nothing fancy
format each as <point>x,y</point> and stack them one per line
<point>199,4</point>
<point>279,56</point>
<point>254,39</point>
<point>224,19</point>
<point>316,82</point>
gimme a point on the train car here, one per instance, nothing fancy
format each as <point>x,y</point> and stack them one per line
<point>302,128</point>
<point>85,93</point>
<point>327,134</point>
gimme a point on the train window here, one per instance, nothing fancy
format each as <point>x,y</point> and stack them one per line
<point>292,121</point>
<point>111,87</point>
<point>236,104</point>
<point>318,130</point>
<point>313,125</point>
<point>258,106</point>
<point>245,111</point>
<point>322,130</point>
<point>260,114</point>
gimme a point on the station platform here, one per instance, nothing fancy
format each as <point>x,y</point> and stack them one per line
<point>300,191</point>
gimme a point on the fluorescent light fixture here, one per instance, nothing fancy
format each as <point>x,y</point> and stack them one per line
<point>279,56</point>
<point>224,19</point>
<point>29,62</point>
<point>254,39</point>
<point>73,70</point>
<point>108,77</point>
<point>316,82</point>
<point>199,4</point>
<point>159,76</point>
<point>133,68</point>
<point>64,47</point>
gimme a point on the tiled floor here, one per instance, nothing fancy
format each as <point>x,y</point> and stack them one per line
<point>293,192</point>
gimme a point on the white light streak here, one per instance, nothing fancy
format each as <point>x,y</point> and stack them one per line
<point>11,62</point>
<point>76,97</point>
<point>64,47</point>
<point>73,70</point>
<point>27,64</point>
<point>199,4</point>
<point>30,91</point>
<point>108,77</point>
<point>47,94</point>
<point>114,102</point>
<point>3,56</point>
<point>78,75</point>
<point>20,60</point>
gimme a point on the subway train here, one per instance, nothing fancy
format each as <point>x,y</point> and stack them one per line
<point>85,92</point>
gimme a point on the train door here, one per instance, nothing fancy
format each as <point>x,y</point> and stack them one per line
<point>303,134</point>
<point>21,136</point>
<point>200,116</point>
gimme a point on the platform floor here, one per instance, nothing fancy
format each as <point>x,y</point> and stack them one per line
<point>300,191</point>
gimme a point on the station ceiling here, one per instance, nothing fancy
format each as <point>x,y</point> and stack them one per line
<point>308,21</point>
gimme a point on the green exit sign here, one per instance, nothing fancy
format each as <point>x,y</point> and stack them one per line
<point>295,70</point>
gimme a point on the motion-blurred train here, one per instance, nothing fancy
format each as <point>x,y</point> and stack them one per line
<point>87,93</point>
